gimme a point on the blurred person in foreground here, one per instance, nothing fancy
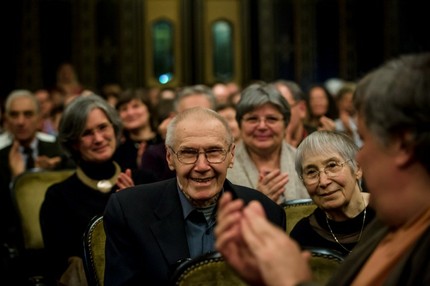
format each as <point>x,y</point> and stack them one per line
<point>150,227</point>
<point>393,120</point>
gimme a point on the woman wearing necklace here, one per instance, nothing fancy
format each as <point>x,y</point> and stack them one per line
<point>325,161</point>
<point>89,132</point>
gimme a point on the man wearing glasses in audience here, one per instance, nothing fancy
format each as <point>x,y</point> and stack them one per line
<point>149,228</point>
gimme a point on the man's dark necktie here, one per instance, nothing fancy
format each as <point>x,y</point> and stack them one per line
<point>29,164</point>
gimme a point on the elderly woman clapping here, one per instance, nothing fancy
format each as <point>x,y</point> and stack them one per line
<point>89,131</point>
<point>264,161</point>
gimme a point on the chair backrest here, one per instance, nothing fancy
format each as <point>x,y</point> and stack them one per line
<point>324,263</point>
<point>296,210</point>
<point>94,251</point>
<point>28,193</point>
<point>208,269</point>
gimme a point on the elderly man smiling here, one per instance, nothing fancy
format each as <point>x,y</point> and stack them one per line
<point>151,227</point>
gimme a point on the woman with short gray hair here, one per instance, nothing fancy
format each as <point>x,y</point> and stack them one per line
<point>264,161</point>
<point>74,120</point>
<point>89,132</point>
<point>325,161</point>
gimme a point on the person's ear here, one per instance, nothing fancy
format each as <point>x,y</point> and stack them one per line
<point>358,172</point>
<point>169,158</point>
<point>402,149</point>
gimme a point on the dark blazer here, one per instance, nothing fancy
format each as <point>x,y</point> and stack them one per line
<point>146,235</point>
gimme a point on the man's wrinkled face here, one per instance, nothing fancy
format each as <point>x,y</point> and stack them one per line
<point>200,181</point>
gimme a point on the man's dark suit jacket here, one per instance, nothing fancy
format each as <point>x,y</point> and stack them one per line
<point>145,231</point>
<point>7,213</point>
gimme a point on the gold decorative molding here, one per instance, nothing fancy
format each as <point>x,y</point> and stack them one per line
<point>155,10</point>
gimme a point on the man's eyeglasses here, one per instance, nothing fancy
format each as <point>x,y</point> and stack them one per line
<point>190,156</point>
<point>268,120</point>
<point>311,176</point>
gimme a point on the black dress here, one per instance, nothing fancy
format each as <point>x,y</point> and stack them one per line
<point>313,231</point>
<point>66,211</point>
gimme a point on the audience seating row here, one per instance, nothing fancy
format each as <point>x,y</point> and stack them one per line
<point>28,193</point>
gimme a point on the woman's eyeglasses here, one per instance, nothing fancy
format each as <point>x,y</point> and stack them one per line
<point>312,175</point>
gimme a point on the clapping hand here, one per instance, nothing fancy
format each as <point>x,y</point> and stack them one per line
<point>260,252</point>
<point>124,180</point>
<point>272,183</point>
<point>16,162</point>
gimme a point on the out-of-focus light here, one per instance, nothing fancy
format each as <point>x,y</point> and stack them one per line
<point>165,78</point>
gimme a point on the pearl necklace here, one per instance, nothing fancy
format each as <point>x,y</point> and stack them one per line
<point>359,237</point>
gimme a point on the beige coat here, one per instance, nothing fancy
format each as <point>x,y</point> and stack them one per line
<point>245,173</point>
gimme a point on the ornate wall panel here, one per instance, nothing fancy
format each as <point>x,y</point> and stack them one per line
<point>188,47</point>
<point>347,43</point>
<point>266,42</point>
<point>245,38</point>
<point>107,20</point>
<point>228,11</point>
<point>169,10</point>
<point>305,41</point>
<point>29,71</point>
<point>84,49</point>
<point>131,39</point>
<point>111,40</point>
